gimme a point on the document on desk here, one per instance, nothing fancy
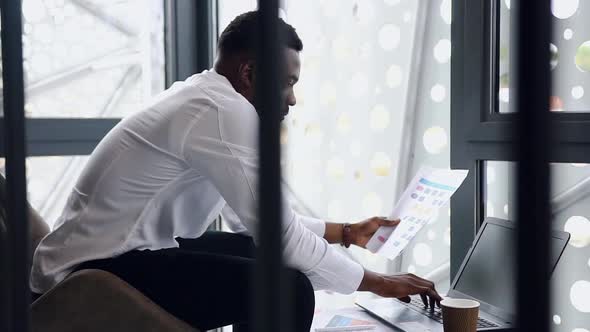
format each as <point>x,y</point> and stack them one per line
<point>426,194</point>
<point>340,323</point>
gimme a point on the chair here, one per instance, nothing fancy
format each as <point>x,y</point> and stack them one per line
<point>90,300</point>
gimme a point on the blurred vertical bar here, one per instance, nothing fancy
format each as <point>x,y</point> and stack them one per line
<point>271,310</point>
<point>14,129</point>
<point>531,42</point>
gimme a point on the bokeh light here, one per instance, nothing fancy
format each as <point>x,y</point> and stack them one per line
<point>343,123</point>
<point>372,204</point>
<point>314,133</point>
<point>435,140</point>
<point>359,85</point>
<point>579,295</point>
<point>578,92</point>
<point>379,117</point>
<point>381,164</point>
<point>442,51</point>
<point>579,228</point>
<point>389,37</point>
<point>394,76</point>
<point>335,168</point>
<point>438,93</point>
<point>583,57</point>
<point>563,9</point>
<point>554,56</point>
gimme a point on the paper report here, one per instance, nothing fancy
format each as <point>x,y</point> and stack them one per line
<point>420,203</point>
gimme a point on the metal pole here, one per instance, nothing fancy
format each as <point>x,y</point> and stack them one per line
<point>14,129</point>
<point>532,22</point>
<point>270,311</point>
<point>190,37</point>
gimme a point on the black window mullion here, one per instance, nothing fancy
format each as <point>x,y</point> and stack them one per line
<point>14,281</point>
<point>191,35</point>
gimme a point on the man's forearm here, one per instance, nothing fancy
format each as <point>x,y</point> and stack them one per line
<point>370,282</point>
<point>333,233</point>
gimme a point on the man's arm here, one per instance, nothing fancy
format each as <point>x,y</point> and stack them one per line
<point>400,286</point>
<point>360,233</point>
<point>333,233</point>
<point>219,148</point>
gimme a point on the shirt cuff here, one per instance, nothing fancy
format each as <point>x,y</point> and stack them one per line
<point>339,274</point>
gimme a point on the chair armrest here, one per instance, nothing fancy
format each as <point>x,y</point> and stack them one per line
<point>97,301</point>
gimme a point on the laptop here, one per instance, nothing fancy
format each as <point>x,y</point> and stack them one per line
<point>487,275</point>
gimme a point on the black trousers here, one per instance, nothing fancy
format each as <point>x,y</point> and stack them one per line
<point>207,282</point>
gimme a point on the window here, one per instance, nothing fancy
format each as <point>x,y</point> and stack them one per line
<point>84,61</point>
<point>570,56</point>
<point>91,59</point>
<point>483,139</point>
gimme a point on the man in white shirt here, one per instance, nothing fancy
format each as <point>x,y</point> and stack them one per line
<point>154,184</point>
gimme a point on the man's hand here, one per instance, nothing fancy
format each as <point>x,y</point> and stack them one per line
<point>401,287</point>
<point>364,230</point>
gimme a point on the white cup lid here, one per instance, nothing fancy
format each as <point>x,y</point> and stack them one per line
<point>459,303</point>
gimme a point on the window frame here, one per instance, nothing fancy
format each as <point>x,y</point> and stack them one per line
<point>191,24</point>
<point>478,132</point>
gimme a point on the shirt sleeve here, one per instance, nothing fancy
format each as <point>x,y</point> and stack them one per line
<point>317,226</point>
<point>231,219</point>
<point>222,146</point>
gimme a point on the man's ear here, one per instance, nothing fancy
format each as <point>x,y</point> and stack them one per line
<point>246,74</point>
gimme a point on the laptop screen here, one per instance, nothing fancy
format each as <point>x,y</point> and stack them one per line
<point>489,274</point>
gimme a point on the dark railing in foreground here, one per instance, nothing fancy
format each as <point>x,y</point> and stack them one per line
<point>533,30</point>
<point>271,294</point>
<point>15,286</point>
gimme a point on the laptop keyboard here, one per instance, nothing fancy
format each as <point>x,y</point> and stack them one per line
<point>436,314</point>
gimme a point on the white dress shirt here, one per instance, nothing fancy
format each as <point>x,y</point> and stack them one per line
<point>168,171</point>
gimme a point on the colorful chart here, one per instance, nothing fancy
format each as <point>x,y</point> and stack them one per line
<point>427,193</point>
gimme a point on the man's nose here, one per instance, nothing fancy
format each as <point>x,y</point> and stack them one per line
<point>291,100</point>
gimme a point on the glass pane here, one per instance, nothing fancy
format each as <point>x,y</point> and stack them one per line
<point>570,202</point>
<point>229,9</point>
<point>570,56</point>
<point>49,182</point>
<point>499,194</point>
<point>93,58</point>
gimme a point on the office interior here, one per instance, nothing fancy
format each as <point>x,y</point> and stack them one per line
<point>376,101</point>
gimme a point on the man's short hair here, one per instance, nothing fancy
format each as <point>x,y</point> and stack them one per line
<point>241,35</point>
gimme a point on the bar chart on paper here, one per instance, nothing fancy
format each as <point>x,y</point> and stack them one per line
<point>428,191</point>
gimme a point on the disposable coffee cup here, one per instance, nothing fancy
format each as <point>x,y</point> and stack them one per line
<point>460,315</point>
